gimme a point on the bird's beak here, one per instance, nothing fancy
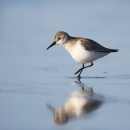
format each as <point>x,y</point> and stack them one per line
<point>51,45</point>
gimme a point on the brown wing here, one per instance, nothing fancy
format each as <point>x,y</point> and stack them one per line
<point>94,46</point>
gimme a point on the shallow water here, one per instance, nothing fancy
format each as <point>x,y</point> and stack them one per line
<point>31,77</point>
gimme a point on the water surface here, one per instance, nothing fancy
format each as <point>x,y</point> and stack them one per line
<point>30,76</point>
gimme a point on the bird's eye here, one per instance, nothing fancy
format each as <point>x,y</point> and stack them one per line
<point>59,38</point>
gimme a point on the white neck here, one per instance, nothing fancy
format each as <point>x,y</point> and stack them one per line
<point>68,47</point>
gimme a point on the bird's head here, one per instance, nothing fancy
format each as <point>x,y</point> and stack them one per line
<point>60,39</point>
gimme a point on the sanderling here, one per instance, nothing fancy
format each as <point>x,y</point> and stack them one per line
<point>82,50</point>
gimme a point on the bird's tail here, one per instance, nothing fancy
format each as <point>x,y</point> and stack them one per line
<point>114,50</point>
<point>108,50</point>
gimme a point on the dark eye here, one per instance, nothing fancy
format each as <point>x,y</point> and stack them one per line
<point>59,38</point>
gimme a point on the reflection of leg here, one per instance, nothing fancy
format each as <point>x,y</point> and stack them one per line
<point>91,90</point>
<point>79,81</point>
<point>82,89</point>
<point>80,84</point>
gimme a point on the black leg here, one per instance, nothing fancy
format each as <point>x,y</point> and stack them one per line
<point>81,69</point>
<point>80,72</point>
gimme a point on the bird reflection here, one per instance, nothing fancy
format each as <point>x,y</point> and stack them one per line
<point>80,102</point>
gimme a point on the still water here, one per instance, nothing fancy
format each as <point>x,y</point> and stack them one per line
<point>35,82</point>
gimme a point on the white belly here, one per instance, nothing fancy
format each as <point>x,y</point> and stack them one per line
<point>81,55</point>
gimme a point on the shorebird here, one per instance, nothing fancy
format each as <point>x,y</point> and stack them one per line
<point>82,50</point>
